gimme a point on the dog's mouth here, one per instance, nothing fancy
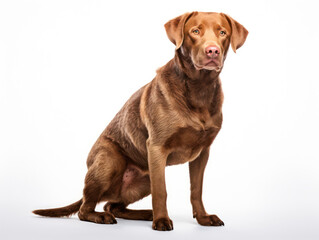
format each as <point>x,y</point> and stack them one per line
<point>211,64</point>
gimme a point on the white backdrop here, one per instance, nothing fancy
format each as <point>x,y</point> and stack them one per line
<point>67,67</point>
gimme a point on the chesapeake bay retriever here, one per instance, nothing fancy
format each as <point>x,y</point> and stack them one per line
<point>171,120</point>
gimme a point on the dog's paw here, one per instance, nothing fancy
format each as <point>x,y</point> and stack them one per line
<point>98,217</point>
<point>105,218</point>
<point>209,220</point>
<point>163,224</point>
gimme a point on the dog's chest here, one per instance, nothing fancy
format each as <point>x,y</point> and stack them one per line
<point>186,143</point>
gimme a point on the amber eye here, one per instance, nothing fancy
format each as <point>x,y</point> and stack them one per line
<point>196,31</point>
<point>222,33</point>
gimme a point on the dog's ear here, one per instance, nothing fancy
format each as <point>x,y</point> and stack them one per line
<point>239,33</point>
<point>175,29</point>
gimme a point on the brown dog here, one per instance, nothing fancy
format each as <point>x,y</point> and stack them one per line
<point>173,119</point>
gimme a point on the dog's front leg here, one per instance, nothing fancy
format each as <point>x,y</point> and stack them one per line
<point>196,172</point>
<point>157,157</point>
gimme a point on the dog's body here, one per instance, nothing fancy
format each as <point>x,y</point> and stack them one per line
<point>173,119</point>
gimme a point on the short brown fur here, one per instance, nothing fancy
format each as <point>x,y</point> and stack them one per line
<point>173,119</point>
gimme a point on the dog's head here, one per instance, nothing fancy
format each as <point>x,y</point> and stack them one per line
<point>205,37</point>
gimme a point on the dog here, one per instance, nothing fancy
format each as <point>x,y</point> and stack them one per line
<point>172,120</point>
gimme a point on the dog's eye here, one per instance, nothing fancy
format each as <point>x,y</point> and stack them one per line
<point>222,33</point>
<point>196,31</point>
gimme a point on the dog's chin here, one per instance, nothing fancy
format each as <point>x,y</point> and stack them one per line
<point>209,67</point>
<point>212,65</point>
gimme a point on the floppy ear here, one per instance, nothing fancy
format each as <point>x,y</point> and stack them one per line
<point>175,29</point>
<point>239,33</point>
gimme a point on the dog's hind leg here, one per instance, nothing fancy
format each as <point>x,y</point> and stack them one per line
<point>119,210</point>
<point>135,186</point>
<point>105,173</point>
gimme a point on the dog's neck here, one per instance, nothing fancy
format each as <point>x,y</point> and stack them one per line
<point>201,86</point>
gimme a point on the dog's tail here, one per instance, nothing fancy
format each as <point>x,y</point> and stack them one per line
<point>60,212</point>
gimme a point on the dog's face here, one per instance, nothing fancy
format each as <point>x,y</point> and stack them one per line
<point>205,37</point>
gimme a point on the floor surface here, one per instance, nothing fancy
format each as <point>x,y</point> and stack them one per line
<point>23,225</point>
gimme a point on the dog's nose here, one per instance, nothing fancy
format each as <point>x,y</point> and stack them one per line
<point>212,51</point>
